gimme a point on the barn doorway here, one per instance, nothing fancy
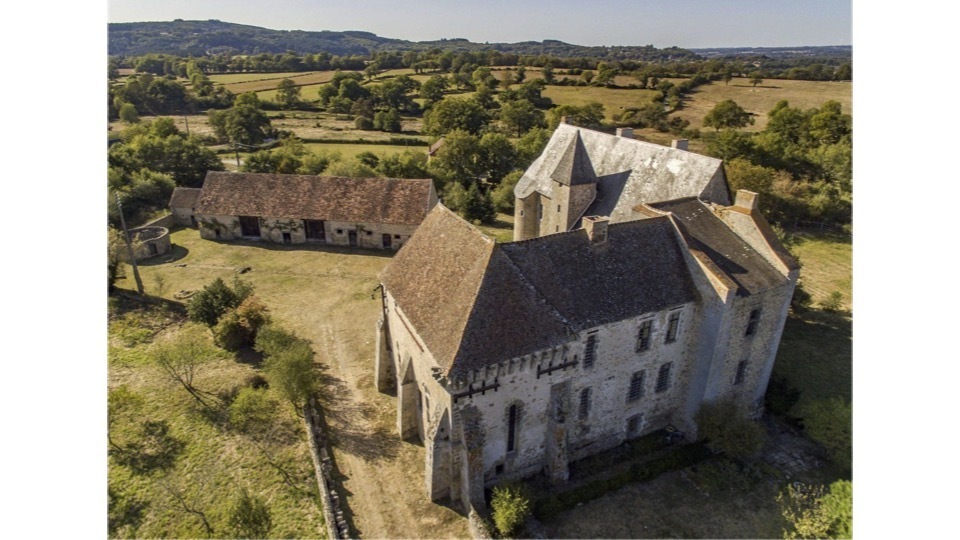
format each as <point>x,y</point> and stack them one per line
<point>352,236</point>
<point>387,241</point>
<point>315,230</point>
<point>249,226</point>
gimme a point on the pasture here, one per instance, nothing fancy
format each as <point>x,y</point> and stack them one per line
<point>759,100</point>
<point>326,295</point>
<point>614,100</point>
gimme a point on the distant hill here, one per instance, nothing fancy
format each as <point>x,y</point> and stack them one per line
<point>198,38</point>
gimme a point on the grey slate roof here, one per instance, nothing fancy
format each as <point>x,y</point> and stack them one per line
<point>635,171</point>
<point>475,302</point>
<point>704,231</point>
<point>298,196</point>
<point>183,197</point>
<point>574,166</point>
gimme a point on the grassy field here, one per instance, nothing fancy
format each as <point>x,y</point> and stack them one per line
<point>614,100</point>
<point>256,82</point>
<point>325,295</point>
<point>759,100</point>
<point>349,151</point>
<point>215,462</point>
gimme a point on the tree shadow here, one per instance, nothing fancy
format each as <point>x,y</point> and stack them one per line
<point>154,450</point>
<point>312,246</point>
<point>250,357</point>
<point>124,511</point>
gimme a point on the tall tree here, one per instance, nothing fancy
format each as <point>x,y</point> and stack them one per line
<point>288,94</point>
<point>727,115</point>
<point>521,116</point>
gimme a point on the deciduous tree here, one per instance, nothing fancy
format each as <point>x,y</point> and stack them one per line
<point>727,115</point>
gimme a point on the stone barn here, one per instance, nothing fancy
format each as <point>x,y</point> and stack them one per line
<point>183,203</point>
<point>291,208</point>
<point>513,359</point>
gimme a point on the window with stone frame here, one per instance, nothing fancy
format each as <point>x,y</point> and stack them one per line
<point>643,335</point>
<point>741,372</point>
<point>636,386</point>
<point>673,327</point>
<point>584,403</point>
<point>590,354</point>
<point>663,378</point>
<point>753,322</point>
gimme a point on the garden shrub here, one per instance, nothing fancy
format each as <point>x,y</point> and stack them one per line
<point>724,427</point>
<point>510,506</point>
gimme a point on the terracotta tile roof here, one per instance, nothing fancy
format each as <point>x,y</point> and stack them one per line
<point>184,197</point>
<point>297,196</point>
<point>732,255</point>
<point>474,302</point>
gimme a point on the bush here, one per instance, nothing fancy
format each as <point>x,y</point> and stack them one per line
<point>251,409</point>
<point>829,422</point>
<point>208,305</point>
<point>781,397</point>
<point>238,327</point>
<point>801,300</point>
<point>511,507</point>
<point>363,123</point>
<point>833,303</point>
<point>724,427</point>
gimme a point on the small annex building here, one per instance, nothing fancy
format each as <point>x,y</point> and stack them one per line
<point>292,208</point>
<point>513,359</point>
<point>183,205</point>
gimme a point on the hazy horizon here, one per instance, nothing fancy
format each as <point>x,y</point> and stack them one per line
<point>691,24</point>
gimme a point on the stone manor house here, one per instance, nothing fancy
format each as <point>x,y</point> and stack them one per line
<point>635,291</point>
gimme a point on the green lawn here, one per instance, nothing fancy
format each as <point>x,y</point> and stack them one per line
<point>614,100</point>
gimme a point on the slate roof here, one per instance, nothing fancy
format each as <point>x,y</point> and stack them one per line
<point>574,166</point>
<point>705,232</point>
<point>183,197</point>
<point>634,172</point>
<point>297,196</point>
<point>475,302</point>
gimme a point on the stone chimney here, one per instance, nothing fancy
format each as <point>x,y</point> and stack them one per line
<point>747,200</point>
<point>563,119</point>
<point>680,144</point>
<point>596,227</point>
<point>626,133</point>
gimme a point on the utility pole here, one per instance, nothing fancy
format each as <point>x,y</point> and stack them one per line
<point>126,236</point>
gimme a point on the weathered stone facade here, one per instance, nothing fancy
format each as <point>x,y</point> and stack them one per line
<point>514,359</point>
<point>378,213</point>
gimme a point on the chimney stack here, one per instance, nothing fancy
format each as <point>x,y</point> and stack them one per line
<point>563,119</point>
<point>680,144</point>
<point>596,227</point>
<point>626,133</point>
<point>746,200</point>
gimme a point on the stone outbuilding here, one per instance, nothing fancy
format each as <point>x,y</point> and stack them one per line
<point>513,359</point>
<point>183,204</point>
<point>291,208</point>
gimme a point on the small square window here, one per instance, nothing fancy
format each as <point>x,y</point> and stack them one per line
<point>369,233</point>
<point>339,231</point>
<point>396,237</point>
<point>558,208</point>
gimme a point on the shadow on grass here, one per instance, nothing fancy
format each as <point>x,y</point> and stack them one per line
<point>176,253</point>
<point>816,353</point>
<point>317,247</point>
<point>250,357</point>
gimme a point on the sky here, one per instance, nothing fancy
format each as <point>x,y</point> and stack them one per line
<point>662,23</point>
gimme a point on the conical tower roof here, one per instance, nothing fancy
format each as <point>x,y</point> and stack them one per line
<point>574,166</point>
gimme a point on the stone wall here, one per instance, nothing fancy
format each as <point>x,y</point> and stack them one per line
<point>530,380</point>
<point>337,233</point>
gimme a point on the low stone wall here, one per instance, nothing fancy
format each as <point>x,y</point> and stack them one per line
<point>149,241</point>
<point>166,221</point>
<point>332,514</point>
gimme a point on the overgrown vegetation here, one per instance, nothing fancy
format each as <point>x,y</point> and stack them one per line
<point>510,507</point>
<point>813,511</point>
<point>725,427</point>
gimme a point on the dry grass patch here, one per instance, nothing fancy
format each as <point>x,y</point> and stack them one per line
<point>759,100</point>
<point>614,100</point>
